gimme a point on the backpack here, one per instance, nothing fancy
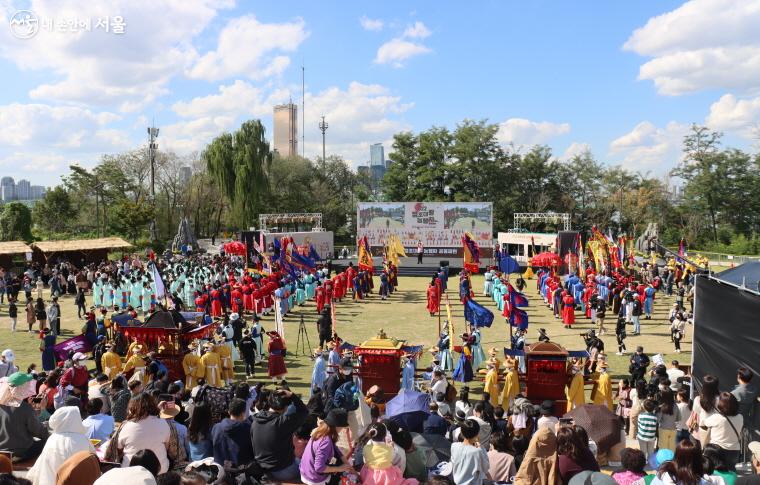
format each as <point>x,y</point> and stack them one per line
<point>344,397</point>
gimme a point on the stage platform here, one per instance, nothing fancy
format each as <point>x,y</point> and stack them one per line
<point>409,266</point>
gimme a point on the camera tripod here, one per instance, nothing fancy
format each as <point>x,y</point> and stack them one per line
<point>302,343</point>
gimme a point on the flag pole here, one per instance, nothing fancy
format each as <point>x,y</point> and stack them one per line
<point>439,315</point>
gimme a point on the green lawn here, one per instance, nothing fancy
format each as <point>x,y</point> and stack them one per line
<point>404,316</point>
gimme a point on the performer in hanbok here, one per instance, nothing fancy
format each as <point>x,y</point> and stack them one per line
<point>574,394</point>
<point>257,333</point>
<point>319,372</point>
<point>518,343</point>
<point>228,333</point>
<point>488,283</point>
<point>212,366</point>
<point>407,374</point>
<point>147,298</point>
<point>138,363</point>
<point>491,385</point>
<point>277,349</point>
<point>191,365</point>
<point>108,294</point>
<point>433,298</point>
<point>568,310</point>
<point>478,356</point>
<point>511,383</point>
<point>443,351</point>
<point>649,293</point>
<point>463,372</point>
<point>602,392</point>
<point>110,362</point>
<point>225,355</point>
<point>333,358</point>
<point>216,303</point>
<point>97,292</point>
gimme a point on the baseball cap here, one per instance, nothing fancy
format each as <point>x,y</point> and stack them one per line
<point>9,355</point>
<point>78,356</point>
<point>19,379</point>
<point>754,447</point>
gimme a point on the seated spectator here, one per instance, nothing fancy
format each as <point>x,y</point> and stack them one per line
<point>119,396</point>
<point>82,468</point>
<point>434,423</point>
<point>380,457</point>
<point>501,462</point>
<point>415,458</point>
<point>539,464</point>
<point>199,433</point>
<point>18,422</point>
<point>754,479</point>
<point>469,459</point>
<point>231,437</point>
<point>148,460</point>
<point>501,424</point>
<point>322,449</point>
<point>133,475</point>
<point>686,467</point>
<point>479,414</point>
<point>271,434</point>
<point>69,437</point>
<point>98,388</point>
<point>573,454</point>
<point>143,430</point>
<point>99,426</point>
<point>633,463</point>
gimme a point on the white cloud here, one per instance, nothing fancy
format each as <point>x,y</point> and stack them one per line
<point>575,148</point>
<point>417,31</point>
<point>247,47</point>
<point>106,69</point>
<point>193,135</point>
<point>46,164</point>
<point>648,147</point>
<point>396,51</point>
<point>703,44</point>
<point>730,113</point>
<point>526,132</point>
<point>375,25</point>
<point>237,98</point>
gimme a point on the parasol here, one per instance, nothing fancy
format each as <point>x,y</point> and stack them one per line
<point>600,423</point>
<point>409,409</point>
<point>546,259</point>
<point>234,247</point>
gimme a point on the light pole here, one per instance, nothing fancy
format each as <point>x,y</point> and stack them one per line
<point>323,128</point>
<point>152,147</point>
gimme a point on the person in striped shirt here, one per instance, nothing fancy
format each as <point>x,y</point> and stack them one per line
<point>647,428</point>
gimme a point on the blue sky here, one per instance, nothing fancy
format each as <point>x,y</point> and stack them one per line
<point>623,79</point>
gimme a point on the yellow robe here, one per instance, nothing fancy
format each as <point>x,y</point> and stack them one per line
<point>511,388</point>
<point>492,386</point>
<point>191,364</point>
<point>212,366</point>
<point>111,363</point>
<point>228,367</point>
<point>137,363</point>
<point>603,394</point>
<point>575,396</point>
<point>131,349</point>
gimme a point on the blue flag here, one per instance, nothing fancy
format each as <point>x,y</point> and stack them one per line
<point>313,254</point>
<point>518,318</point>
<point>507,263</point>
<point>477,314</point>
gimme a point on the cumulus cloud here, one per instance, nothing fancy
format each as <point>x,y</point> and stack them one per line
<point>375,25</point>
<point>575,148</point>
<point>417,31</point>
<point>703,44</point>
<point>730,113</point>
<point>247,47</point>
<point>649,147</point>
<point>404,47</point>
<point>521,131</point>
<point>237,98</point>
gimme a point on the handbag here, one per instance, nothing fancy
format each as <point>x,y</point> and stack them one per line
<point>113,453</point>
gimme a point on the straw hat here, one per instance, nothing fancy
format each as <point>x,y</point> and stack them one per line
<point>493,351</point>
<point>208,345</point>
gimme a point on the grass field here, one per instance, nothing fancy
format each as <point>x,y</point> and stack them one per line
<point>404,316</point>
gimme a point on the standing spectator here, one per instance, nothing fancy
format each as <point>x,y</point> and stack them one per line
<point>40,314</point>
<point>705,405</point>
<point>674,373</point>
<point>81,303</point>
<point>420,251</point>
<point>647,427</point>
<point>639,363</point>
<point>623,397</point>
<point>322,449</point>
<point>501,463</point>
<point>30,314</point>
<point>271,434</point>
<point>231,437</point>
<point>668,416</point>
<point>746,393</point>
<point>633,463</point>
<point>573,454</point>
<point>40,287</point>
<point>199,433</point>
<point>54,316</point>
<point>684,411</point>
<point>143,430</point>
<point>69,437</point>
<point>12,312</point>
<point>248,352</point>
<point>677,329</point>
<point>469,460</point>
<point>723,428</point>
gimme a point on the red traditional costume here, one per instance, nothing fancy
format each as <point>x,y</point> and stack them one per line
<point>568,310</point>
<point>276,367</point>
<point>433,299</point>
<point>216,304</point>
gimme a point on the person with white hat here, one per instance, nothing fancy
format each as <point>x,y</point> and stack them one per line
<point>77,376</point>
<point>7,357</point>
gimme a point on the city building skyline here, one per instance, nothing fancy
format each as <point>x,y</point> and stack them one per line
<point>10,190</point>
<point>376,154</point>
<point>285,121</point>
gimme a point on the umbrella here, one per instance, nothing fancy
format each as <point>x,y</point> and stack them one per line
<point>600,423</point>
<point>234,247</point>
<point>409,409</point>
<point>546,259</point>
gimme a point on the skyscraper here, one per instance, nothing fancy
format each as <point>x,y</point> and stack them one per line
<point>7,189</point>
<point>376,155</point>
<point>23,190</point>
<point>285,122</point>
<point>36,192</point>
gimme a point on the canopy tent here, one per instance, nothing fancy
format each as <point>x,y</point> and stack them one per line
<point>165,319</point>
<point>78,250</point>
<point>9,249</point>
<point>747,274</point>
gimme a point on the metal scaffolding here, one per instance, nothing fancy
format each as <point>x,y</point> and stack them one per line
<point>551,217</point>
<point>267,221</point>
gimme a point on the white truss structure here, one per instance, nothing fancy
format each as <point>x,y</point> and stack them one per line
<point>267,221</point>
<point>552,217</point>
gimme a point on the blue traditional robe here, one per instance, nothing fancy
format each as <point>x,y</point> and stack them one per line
<point>318,374</point>
<point>407,376</point>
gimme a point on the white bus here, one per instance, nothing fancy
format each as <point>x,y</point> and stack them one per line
<point>523,245</point>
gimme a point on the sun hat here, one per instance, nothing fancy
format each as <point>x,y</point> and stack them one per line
<point>19,379</point>
<point>78,357</point>
<point>9,355</point>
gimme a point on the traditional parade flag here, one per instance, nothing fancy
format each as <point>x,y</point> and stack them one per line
<point>507,263</point>
<point>477,314</point>
<point>313,254</point>
<point>160,288</point>
<point>364,255</point>
<point>394,249</point>
<point>471,253</point>
<point>518,299</point>
<point>518,318</point>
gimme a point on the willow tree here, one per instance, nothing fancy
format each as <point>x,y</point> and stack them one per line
<point>240,162</point>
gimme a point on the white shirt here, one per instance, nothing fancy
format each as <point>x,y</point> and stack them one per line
<point>548,422</point>
<point>673,374</point>
<point>439,386</point>
<point>721,433</point>
<point>151,433</point>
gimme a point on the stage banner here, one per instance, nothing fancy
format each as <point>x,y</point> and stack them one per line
<point>726,332</point>
<point>440,226</point>
<point>323,241</point>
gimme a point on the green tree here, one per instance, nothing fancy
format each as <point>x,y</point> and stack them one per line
<point>400,180</point>
<point>54,213</point>
<point>15,222</point>
<point>240,163</point>
<point>130,218</point>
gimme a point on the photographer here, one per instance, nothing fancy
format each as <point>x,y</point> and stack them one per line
<point>271,435</point>
<point>639,363</point>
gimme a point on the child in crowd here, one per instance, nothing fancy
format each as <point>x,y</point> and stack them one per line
<point>684,410</point>
<point>647,427</point>
<point>378,457</point>
<point>633,462</point>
